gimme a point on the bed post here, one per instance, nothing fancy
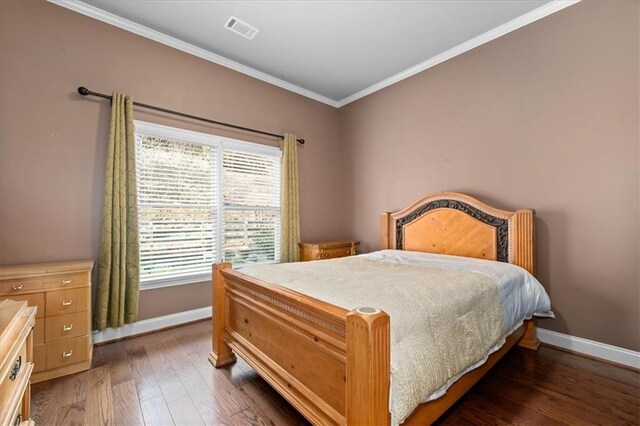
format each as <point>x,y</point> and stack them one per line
<point>530,337</point>
<point>368,367</point>
<point>221,353</point>
<point>524,255</point>
<point>384,231</point>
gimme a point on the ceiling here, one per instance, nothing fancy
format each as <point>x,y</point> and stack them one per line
<point>333,51</point>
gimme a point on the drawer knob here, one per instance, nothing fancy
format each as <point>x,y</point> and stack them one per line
<point>17,286</point>
<point>66,354</point>
<point>67,327</point>
<point>67,281</point>
<point>67,302</point>
<point>16,368</point>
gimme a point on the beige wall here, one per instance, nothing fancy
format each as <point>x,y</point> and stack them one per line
<point>545,117</point>
<point>53,141</point>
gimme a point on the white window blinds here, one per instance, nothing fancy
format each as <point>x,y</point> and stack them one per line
<point>203,199</point>
<point>177,203</point>
<point>251,199</point>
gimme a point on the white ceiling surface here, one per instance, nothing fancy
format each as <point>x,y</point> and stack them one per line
<point>332,48</point>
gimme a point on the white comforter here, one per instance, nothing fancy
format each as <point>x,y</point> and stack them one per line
<point>522,294</point>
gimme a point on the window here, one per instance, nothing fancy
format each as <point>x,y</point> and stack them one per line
<point>251,205</point>
<point>203,199</point>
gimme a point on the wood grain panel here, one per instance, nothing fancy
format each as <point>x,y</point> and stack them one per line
<point>327,250</point>
<point>522,228</point>
<point>66,326</point>
<point>185,412</point>
<point>168,380</point>
<point>385,219</point>
<point>10,287</point>
<point>67,279</point>
<point>221,352</point>
<point>128,406</point>
<point>67,301</point>
<point>142,373</point>
<point>9,385</point>
<point>368,367</point>
<point>446,231</point>
<point>16,352</point>
<point>33,299</point>
<point>62,371</point>
<point>211,410</point>
<point>66,352</point>
<point>71,414</point>
<point>99,409</point>
<point>39,357</point>
<point>38,331</point>
<point>156,412</point>
<point>299,355</point>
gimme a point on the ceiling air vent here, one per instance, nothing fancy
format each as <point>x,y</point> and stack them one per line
<point>240,27</point>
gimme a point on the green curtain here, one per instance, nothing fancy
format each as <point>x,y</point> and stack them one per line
<point>289,202</point>
<point>119,255</point>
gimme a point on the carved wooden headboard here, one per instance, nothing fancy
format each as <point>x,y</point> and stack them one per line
<point>457,224</point>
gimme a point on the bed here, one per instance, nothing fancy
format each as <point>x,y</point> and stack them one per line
<point>333,361</point>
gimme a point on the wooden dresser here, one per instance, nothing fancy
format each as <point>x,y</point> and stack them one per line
<point>327,250</point>
<point>16,355</point>
<point>62,293</point>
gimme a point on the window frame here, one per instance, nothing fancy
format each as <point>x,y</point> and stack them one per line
<point>220,143</point>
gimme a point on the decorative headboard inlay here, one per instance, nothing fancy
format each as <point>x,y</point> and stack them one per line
<point>501,225</point>
<point>457,224</point>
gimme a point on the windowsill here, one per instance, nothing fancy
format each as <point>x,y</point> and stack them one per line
<point>186,279</point>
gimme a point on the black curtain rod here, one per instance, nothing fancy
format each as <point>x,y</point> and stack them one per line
<point>86,92</point>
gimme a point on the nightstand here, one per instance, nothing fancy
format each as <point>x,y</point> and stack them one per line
<point>327,250</point>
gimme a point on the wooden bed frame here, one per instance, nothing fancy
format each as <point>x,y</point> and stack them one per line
<point>333,365</point>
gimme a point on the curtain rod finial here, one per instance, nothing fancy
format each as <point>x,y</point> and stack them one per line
<point>301,141</point>
<point>83,91</point>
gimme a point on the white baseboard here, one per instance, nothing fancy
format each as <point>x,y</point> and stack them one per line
<point>589,347</point>
<point>151,324</point>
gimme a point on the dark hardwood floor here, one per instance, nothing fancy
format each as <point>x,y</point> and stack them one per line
<point>165,378</point>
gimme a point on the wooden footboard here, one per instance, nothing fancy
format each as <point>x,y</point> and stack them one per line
<point>325,360</point>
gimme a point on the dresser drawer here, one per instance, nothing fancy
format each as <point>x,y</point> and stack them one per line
<point>19,411</point>
<point>67,301</point>
<point>336,252</point>
<point>20,285</point>
<point>16,418</point>
<point>11,381</point>
<point>66,280</point>
<point>34,299</point>
<point>38,331</point>
<point>39,358</point>
<point>66,326</point>
<point>327,250</point>
<point>66,352</point>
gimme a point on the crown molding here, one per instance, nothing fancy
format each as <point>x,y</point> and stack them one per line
<point>519,22</point>
<point>141,30</point>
